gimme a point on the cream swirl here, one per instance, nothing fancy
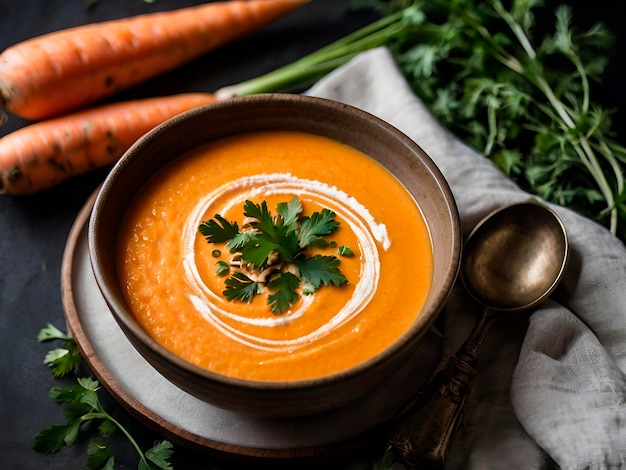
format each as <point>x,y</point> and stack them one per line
<point>368,232</point>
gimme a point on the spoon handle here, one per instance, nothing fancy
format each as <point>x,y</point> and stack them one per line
<point>427,425</point>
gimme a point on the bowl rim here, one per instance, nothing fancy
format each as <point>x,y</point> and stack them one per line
<point>123,315</point>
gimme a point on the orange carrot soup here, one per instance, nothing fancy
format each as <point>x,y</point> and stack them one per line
<point>275,256</point>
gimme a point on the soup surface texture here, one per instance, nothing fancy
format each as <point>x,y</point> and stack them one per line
<point>168,268</point>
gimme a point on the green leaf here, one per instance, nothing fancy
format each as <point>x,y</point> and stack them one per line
<point>81,398</point>
<point>263,220</point>
<point>258,251</point>
<point>290,213</point>
<point>284,293</point>
<point>100,457</point>
<point>240,239</point>
<point>63,394</point>
<point>509,161</point>
<point>107,428</point>
<point>344,250</point>
<point>159,454</point>
<point>51,332</point>
<point>89,398</point>
<point>218,230</point>
<point>71,432</point>
<point>222,267</point>
<point>318,224</point>
<point>240,287</point>
<point>62,361</point>
<point>88,383</point>
<point>320,270</point>
<point>50,440</point>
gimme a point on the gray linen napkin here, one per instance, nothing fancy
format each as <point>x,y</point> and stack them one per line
<point>551,385</point>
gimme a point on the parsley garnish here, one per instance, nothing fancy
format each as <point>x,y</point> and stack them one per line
<point>273,252</point>
<point>61,361</point>
<point>283,289</point>
<point>222,268</point>
<point>320,270</point>
<point>241,287</point>
<point>83,406</point>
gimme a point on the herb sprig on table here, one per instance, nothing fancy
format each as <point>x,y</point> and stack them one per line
<point>83,407</point>
<point>273,252</point>
<point>523,101</point>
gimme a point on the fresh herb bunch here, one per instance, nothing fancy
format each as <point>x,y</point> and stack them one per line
<point>523,101</point>
<point>274,252</point>
<point>84,406</point>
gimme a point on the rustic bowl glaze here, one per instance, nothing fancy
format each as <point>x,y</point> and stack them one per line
<point>353,127</point>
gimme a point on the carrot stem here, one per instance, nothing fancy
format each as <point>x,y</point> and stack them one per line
<point>310,68</point>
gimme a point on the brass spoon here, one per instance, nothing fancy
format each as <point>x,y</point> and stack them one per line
<point>513,260</point>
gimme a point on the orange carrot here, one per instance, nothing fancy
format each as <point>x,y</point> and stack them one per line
<point>43,154</point>
<point>61,71</point>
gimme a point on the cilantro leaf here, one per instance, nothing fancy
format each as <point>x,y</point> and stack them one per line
<point>100,457</point>
<point>50,440</point>
<point>64,360</point>
<point>51,332</point>
<point>218,230</point>
<point>65,394</point>
<point>159,454</point>
<point>288,246</point>
<point>284,293</point>
<point>222,268</point>
<point>320,269</point>
<point>290,213</point>
<point>240,287</point>
<point>240,239</point>
<point>320,223</point>
<point>258,251</point>
<point>262,219</point>
<point>107,428</point>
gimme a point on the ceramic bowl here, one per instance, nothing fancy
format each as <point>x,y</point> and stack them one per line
<point>334,120</point>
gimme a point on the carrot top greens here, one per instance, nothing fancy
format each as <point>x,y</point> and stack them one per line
<point>275,252</point>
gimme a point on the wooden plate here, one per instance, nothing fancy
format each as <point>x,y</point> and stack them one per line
<point>186,420</point>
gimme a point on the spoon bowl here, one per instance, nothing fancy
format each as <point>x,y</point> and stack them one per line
<point>513,260</point>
